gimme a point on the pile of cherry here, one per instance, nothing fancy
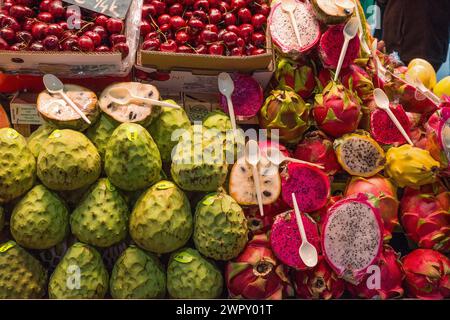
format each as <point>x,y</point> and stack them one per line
<point>216,27</point>
<point>49,25</point>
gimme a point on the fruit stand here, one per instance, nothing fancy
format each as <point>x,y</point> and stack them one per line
<point>217,149</point>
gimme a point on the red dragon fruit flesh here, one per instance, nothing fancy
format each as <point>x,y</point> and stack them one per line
<point>285,238</point>
<point>282,32</point>
<point>385,285</point>
<point>384,130</point>
<point>427,274</point>
<point>310,185</point>
<point>352,237</point>
<point>331,44</point>
<point>247,97</point>
<point>257,274</point>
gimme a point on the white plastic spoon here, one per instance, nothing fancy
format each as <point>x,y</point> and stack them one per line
<point>253,156</point>
<point>124,96</point>
<point>350,31</point>
<point>307,251</point>
<point>382,101</point>
<point>277,157</point>
<point>424,90</point>
<point>55,86</point>
<point>226,87</point>
<point>289,7</point>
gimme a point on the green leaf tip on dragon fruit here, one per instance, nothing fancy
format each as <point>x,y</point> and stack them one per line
<point>297,76</point>
<point>352,237</point>
<point>247,97</point>
<point>257,274</point>
<point>310,185</point>
<point>427,274</point>
<point>285,238</point>
<point>390,280</point>
<point>331,44</point>
<point>287,112</point>
<point>337,110</point>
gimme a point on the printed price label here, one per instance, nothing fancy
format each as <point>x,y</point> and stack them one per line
<point>110,8</point>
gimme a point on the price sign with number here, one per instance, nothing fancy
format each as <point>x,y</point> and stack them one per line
<point>110,8</point>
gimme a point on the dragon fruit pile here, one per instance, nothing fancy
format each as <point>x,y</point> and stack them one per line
<point>155,219</point>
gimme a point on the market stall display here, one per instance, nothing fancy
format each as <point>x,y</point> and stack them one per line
<point>148,194</point>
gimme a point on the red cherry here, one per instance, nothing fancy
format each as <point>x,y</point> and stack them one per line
<point>18,11</point>
<point>63,25</point>
<point>44,5</point>
<point>122,48</point>
<point>20,46</point>
<point>201,5</point>
<point>3,44</point>
<point>229,19</point>
<point>101,20</point>
<point>257,51</point>
<point>114,25</point>
<point>176,10</point>
<point>55,30</point>
<point>169,46</point>
<point>8,34</point>
<point>201,49</point>
<point>86,44</point>
<point>51,43</point>
<point>11,23</point>
<point>151,44</point>
<point>237,51</point>
<point>163,19</point>
<point>200,15</point>
<point>212,27</point>
<point>101,31</point>
<point>258,39</point>
<point>27,24</point>
<point>230,38</point>
<point>195,25</point>
<point>24,36</point>
<point>70,44</point>
<point>221,33</point>
<point>160,7</point>
<point>240,42</point>
<point>39,30</point>
<point>45,17</point>
<point>264,9</point>
<point>148,10</point>
<point>181,37</point>
<point>185,49</point>
<point>237,4</point>
<point>258,21</point>
<point>215,16</point>
<point>188,3</point>
<point>216,49</point>
<point>233,28</point>
<point>209,36</point>
<point>56,9</point>
<point>165,28</point>
<point>223,7</point>
<point>244,15</point>
<point>102,49</point>
<point>152,35</point>
<point>188,15</point>
<point>118,38</point>
<point>146,27</point>
<point>177,22</point>
<point>246,30</point>
<point>37,46</point>
<point>95,37</point>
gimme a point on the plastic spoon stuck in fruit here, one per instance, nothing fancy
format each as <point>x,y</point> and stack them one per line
<point>123,96</point>
<point>350,31</point>
<point>253,156</point>
<point>226,87</point>
<point>307,251</point>
<point>424,90</point>
<point>382,101</point>
<point>55,86</point>
<point>289,7</point>
<point>277,157</point>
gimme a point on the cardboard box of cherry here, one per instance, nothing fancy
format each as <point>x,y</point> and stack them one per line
<point>70,37</point>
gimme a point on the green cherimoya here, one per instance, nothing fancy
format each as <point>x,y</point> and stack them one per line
<point>220,227</point>
<point>100,132</point>
<point>199,162</point>
<point>137,275</point>
<point>132,159</point>
<point>164,129</point>
<point>80,274</point>
<point>40,220</point>
<point>68,161</point>
<point>101,218</point>
<point>21,275</point>
<point>17,167</point>
<point>38,137</point>
<point>190,276</point>
<point>161,220</point>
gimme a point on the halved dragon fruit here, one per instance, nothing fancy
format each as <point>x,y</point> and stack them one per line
<point>352,237</point>
<point>310,185</point>
<point>331,44</point>
<point>285,238</point>
<point>382,128</point>
<point>247,97</point>
<point>282,32</point>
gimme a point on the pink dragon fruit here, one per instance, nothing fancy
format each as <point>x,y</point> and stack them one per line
<point>331,44</point>
<point>247,97</point>
<point>310,185</point>
<point>257,274</point>
<point>297,76</point>
<point>390,282</point>
<point>324,77</point>
<point>268,144</point>
<point>425,216</point>
<point>317,148</point>
<point>437,140</point>
<point>352,237</point>
<point>337,110</point>
<point>319,215</point>
<point>386,193</point>
<point>427,274</point>
<point>318,283</point>
<point>357,79</point>
<point>282,32</point>
<point>285,238</point>
<point>384,131</point>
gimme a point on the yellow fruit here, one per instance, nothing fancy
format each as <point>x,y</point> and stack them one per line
<point>424,71</point>
<point>409,166</point>
<point>442,87</point>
